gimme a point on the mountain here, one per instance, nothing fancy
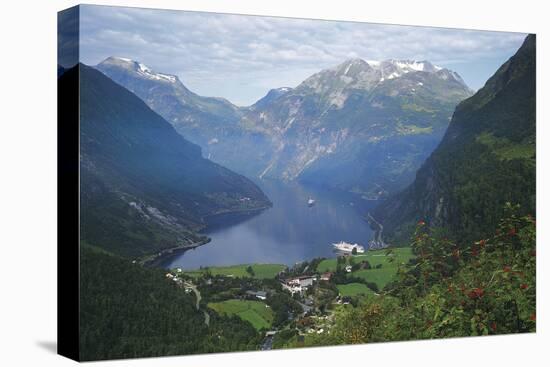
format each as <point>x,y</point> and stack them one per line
<point>486,158</point>
<point>188,112</point>
<point>144,187</point>
<point>361,126</point>
<point>212,123</point>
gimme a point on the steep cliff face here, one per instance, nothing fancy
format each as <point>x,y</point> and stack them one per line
<point>486,158</point>
<point>360,126</point>
<point>144,187</point>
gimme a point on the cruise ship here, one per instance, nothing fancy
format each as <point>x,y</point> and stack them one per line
<point>348,247</point>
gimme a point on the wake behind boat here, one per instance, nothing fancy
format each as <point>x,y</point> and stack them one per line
<point>348,247</point>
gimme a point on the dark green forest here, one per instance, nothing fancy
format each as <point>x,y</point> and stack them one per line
<point>130,311</point>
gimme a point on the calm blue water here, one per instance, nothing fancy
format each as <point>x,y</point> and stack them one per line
<point>288,232</point>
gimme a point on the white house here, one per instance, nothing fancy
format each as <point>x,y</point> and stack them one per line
<point>299,284</point>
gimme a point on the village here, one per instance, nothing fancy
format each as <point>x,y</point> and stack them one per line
<point>287,305</point>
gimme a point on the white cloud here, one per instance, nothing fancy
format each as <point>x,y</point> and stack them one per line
<point>241,57</point>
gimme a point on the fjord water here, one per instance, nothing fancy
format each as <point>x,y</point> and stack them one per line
<point>289,232</point>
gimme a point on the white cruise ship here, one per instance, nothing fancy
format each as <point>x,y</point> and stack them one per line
<point>348,247</point>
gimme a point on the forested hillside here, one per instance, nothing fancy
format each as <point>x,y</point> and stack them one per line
<point>129,311</point>
<point>486,158</point>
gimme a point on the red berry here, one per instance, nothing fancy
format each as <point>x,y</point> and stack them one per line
<point>476,293</point>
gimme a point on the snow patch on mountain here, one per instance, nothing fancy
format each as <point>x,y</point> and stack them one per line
<point>148,73</point>
<point>141,69</point>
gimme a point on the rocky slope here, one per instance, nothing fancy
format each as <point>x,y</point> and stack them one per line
<point>486,158</point>
<point>360,126</point>
<point>145,188</point>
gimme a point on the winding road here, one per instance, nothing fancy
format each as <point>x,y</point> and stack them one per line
<point>197,304</point>
<point>377,238</point>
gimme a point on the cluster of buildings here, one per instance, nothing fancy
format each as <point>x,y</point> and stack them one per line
<point>301,283</point>
<point>175,278</point>
<point>298,284</point>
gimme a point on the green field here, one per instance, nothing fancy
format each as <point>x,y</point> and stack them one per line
<point>400,254</point>
<point>254,312</point>
<point>354,289</point>
<point>379,276</point>
<point>261,271</point>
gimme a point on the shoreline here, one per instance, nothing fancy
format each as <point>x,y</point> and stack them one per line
<point>155,260</point>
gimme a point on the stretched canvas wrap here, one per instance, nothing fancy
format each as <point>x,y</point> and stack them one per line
<point>245,183</point>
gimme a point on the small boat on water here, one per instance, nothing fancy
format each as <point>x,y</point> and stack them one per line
<point>348,247</point>
<point>310,202</point>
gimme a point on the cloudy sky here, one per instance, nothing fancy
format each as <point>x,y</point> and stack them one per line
<point>242,57</point>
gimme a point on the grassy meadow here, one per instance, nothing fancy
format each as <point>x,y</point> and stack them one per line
<point>255,312</point>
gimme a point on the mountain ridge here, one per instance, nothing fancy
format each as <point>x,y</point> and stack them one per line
<point>338,117</point>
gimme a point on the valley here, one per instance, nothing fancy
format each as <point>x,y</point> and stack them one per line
<point>208,227</point>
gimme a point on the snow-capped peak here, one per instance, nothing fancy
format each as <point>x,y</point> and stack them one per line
<point>407,66</point>
<point>145,71</point>
<point>141,69</point>
<point>388,69</point>
<point>336,82</point>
